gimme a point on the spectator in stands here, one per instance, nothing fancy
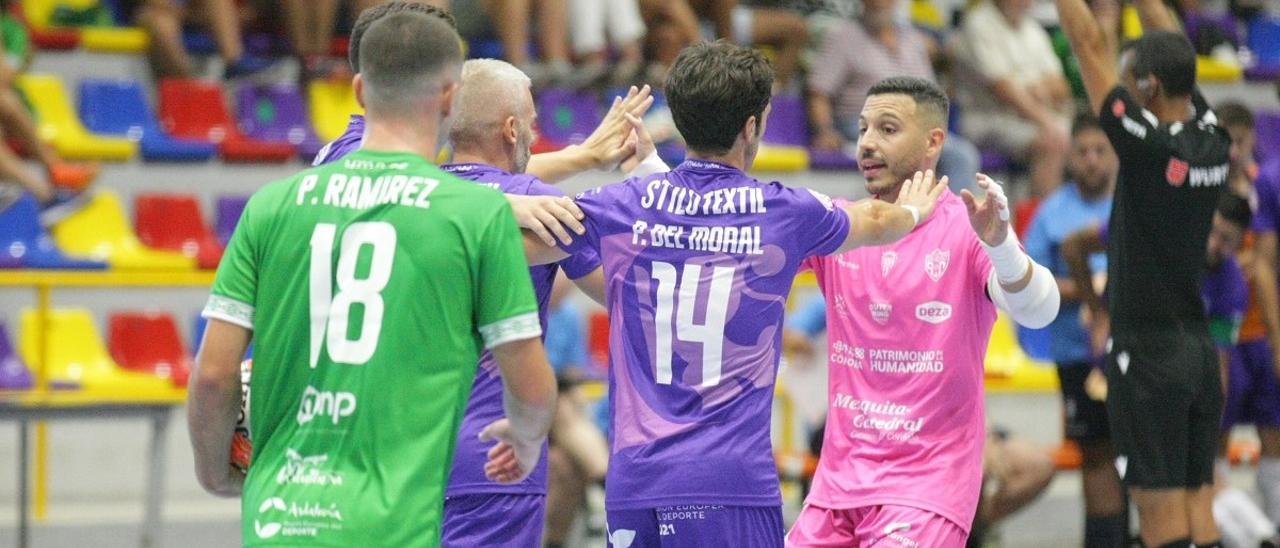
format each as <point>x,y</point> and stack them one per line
<point>309,25</point>
<point>675,24</point>
<point>1014,474</point>
<point>672,26</point>
<point>59,190</point>
<point>579,455</point>
<point>783,30</point>
<point>1022,104</point>
<point>1253,392</point>
<point>625,31</point>
<point>164,19</point>
<point>510,21</point>
<point>1083,202</point>
<point>1238,121</point>
<point>857,53</point>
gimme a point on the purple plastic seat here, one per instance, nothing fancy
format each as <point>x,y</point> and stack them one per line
<point>831,160</point>
<point>1195,22</point>
<point>567,116</point>
<point>995,162</point>
<point>278,113</point>
<point>1267,125</point>
<point>14,375</point>
<point>229,210</point>
<point>787,124</point>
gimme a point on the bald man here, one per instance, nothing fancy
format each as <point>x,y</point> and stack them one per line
<point>491,135</point>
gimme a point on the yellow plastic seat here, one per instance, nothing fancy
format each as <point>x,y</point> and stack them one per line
<point>100,230</point>
<point>1008,368</point>
<point>1130,24</point>
<point>332,104</point>
<point>77,356</point>
<point>58,124</point>
<point>115,39</point>
<point>1209,69</point>
<point>925,14</point>
<point>780,158</point>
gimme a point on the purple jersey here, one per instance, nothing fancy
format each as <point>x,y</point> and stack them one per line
<point>1266,218</point>
<point>698,264</point>
<point>485,404</point>
<point>1226,297</point>
<point>343,145</point>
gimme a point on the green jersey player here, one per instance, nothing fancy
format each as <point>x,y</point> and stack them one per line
<point>370,286</point>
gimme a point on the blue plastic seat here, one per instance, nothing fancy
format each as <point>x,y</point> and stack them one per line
<point>24,243</point>
<point>119,107</point>
<point>197,336</point>
<point>1264,41</point>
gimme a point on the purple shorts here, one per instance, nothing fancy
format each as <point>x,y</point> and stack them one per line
<point>1253,394</point>
<point>696,525</point>
<point>493,520</point>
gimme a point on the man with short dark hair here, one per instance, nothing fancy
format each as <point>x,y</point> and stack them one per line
<point>370,285</point>
<point>698,265</point>
<point>1164,397</point>
<point>605,148</point>
<point>1083,201</point>
<point>908,328</point>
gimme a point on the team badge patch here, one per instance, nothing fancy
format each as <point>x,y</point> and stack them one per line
<point>887,260</point>
<point>880,312</point>
<point>936,262</point>
<point>1176,173</point>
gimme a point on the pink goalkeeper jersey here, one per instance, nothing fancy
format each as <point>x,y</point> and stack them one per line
<point>908,326</point>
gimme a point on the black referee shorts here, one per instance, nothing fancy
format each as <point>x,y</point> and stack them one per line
<point>1164,403</point>
<point>1085,419</point>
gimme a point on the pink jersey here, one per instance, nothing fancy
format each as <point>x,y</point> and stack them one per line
<point>908,330</point>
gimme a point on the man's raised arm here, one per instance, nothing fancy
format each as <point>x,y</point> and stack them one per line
<point>1154,16</point>
<point>1091,47</point>
<point>876,222</point>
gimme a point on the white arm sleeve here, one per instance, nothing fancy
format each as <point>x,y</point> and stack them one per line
<point>1036,305</point>
<point>650,165</point>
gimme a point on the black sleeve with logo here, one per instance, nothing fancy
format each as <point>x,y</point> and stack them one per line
<point>1170,177</point>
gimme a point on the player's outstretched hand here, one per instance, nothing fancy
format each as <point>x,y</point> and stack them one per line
<point>548,217</point>
<point>922,192</point>
<point>512,459</point>
<point>990,217</point>
<point>640,140</point>
<point>610,143</point>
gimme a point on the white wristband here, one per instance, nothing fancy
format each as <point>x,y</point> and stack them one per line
<point>650,165</point>
<point>1007,259</point>
<point>915,214</point>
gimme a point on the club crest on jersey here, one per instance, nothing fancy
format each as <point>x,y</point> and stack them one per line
<point>887,260</point>
<point>1176,173</point>
<point>936,262</point>
<point>842,306</point>
<point>1117,108</point>
<point>880,312</point>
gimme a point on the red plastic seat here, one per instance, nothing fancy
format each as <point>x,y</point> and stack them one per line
<point>197,110</point>
<point>598,339</point>
<point>174,222</point>
<point>148,342</point>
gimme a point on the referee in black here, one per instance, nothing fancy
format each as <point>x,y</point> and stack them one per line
<point>1164,397</point>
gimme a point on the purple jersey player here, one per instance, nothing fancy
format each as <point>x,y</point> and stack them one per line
<point>509,515</point>
<point>698,264</point>
<point>344,144</point>
<point>494,95</point>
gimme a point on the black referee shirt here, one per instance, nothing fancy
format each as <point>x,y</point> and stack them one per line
<point>1170,177</point>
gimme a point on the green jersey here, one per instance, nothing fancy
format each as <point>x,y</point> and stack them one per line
<point>371,285</point>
